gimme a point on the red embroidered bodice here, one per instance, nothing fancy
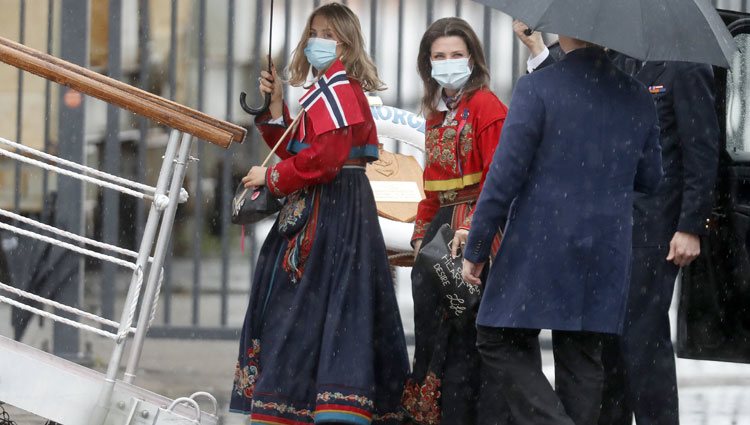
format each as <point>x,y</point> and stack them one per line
<point>455,163</point>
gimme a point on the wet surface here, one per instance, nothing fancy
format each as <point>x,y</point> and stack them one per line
<point>711,393</point>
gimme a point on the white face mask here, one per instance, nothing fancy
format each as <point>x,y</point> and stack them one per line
<point>451,74</point>
<point>320,52</point>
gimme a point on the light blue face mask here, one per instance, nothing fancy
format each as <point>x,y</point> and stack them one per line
<point>320,52</point>
<point>451,74</point>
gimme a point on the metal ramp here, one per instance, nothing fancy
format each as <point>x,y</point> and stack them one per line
<point>69,392</point>
<point>63,391</point>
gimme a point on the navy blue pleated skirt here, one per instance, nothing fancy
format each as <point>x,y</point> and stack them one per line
<point>329,346</point>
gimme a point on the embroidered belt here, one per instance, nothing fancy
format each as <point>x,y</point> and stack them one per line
<point>454,197</point>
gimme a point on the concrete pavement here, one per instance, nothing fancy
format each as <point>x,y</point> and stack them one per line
<point>711,393</point>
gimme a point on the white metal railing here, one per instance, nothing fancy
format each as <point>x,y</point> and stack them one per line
<point>161,215</point>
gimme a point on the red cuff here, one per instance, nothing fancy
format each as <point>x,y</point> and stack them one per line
<point>420,228</point>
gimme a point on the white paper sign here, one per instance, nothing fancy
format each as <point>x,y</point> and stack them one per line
<point>396,191</point>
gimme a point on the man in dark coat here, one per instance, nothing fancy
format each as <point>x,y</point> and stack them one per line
<point>640,366</point>
<point>580,135</point>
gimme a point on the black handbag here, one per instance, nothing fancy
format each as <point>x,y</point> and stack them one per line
<point>250,205</point>
<point>460,299</point>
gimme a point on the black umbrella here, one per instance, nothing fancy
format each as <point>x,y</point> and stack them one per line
<point>679,30</point>
<point>267,100</point>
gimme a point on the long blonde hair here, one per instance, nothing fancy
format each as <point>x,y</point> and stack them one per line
<point>357,62</point>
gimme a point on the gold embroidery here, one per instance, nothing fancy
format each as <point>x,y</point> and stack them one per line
<point>441,151</point>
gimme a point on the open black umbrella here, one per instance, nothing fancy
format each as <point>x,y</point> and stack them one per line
<point>679,30</point>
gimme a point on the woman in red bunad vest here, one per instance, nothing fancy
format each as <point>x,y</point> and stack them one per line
<point>464,121</point>
<point>322,340</point>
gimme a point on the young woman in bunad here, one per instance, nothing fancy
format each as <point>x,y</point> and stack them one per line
<point>464,121</point>
<point>322,340</point>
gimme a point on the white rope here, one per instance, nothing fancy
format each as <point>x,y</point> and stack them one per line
<point>156,298</point>
<point>77,166</point>
<point>69,235</point>
<point>63,307</point>
<point>71,247</point>
<point>137,292</point>
<point>56,318</point>
<point>74,175</point>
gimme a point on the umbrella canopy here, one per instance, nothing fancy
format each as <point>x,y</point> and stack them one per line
<point>34,266</point>
<point>664,30</point>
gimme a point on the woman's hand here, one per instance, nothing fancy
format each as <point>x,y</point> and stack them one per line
<point>271,84</point>
<point>459,241</point>
<point>417,245</point>
<point>255,177</point>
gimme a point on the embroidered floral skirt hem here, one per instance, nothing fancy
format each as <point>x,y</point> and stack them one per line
<point>328,347</point>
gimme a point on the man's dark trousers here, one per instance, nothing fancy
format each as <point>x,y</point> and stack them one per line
<point>645,345</point>
<point>512,359</point>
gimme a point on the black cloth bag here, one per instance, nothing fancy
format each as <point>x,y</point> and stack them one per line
<point>459,298</point>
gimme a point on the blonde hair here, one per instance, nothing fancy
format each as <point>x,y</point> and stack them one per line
<point>357,62</point>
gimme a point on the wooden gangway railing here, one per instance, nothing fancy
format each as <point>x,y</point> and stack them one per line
<point>141,102</point>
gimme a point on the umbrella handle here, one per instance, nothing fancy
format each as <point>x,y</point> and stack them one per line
<point>528,31</point>
<point>254,111</point>
<point>267,101</point>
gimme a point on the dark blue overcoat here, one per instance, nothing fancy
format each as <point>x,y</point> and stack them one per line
<point>580,137</point>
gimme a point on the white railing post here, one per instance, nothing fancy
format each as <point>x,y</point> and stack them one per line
<point>162,244</point>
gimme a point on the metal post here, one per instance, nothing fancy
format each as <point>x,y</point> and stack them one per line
<point>110,213</point>
<point>487,36</point>
<point>373,28</point>
<point>19,108</point>
<point>258,39</point>
<point>430,12</point>
<point>458,7</point>
<point>47,96</point>
<point>131,299</point>
<point>287,37</point>
<point>400,59</point>
<point>144,53</point>
<point>74,47</point>
<point>226,171</point>
<point>162,243</point>
<point>198,199</point>
<point>172,75</point>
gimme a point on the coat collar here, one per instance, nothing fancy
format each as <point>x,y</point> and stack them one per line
<point>585,53</point>
<point>650,72</point>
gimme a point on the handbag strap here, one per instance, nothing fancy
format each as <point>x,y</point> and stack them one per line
<point>291,127</point>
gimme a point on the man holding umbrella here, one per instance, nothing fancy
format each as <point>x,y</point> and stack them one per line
<point>559,266</point>
<point>639,366</point>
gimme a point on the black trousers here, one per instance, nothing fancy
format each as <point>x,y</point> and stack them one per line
<point>512,361</point>
<point>639,366</point>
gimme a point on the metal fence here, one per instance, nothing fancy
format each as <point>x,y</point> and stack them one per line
<point>212,53</point>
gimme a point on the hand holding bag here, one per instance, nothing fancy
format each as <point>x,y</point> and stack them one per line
<point>250,205</point>
<point>459,298</point>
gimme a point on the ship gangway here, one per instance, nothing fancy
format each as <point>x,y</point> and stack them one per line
<point>58,389</point>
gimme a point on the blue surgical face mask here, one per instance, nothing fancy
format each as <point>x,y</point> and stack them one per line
<point>451,74</point>
<point>320,52</point>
